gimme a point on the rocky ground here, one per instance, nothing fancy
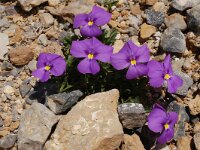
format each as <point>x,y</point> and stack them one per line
<point>33,26</point>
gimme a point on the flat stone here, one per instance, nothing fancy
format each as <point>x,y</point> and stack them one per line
<point>4,40</point>
<point>117,46</point>
<point>182,119</point>
<point>46,19</point>
<point>4,23</point>
<point>193,17</point>
<point>24,89</point>
<point>35,126</point>
<point>184,143</point>
<point>61,102</point>
<point>92,124</point>
<point>8,141</point>
<point>8,89</point>
<point>147,30</point>
<point>3,51</point>
<point>132,115</point>
<point>20,55</point>
<point>27,5</point>
<point>1,122</point>
<point>42,39</point>
<point>176,21</point>
<point>194,105</point>
<point>132,142</point>
<point>154,18</point>
<point>6,66</point>
<point>197,140</point>
<point>173,40</point>
<point>53,2</point>
<point>184,4</point>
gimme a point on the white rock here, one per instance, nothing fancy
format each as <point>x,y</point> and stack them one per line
<point>8,89</point>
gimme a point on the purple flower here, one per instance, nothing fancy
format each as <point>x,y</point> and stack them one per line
<point>133,57</point>
<point>89,23</point>
<point>49,64</point>
<point>91,50</point>
<point>160,121</point>
<point>160,73</point>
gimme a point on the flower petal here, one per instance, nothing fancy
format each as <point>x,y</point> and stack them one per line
<point>129,49</point>
<point>142,69</point>
<point>90,31</point>
<point>155,69</point>
<point>156,82</point>
<point>80,20</point>
<point>58,66</point>
<point>167,65</point>
<point>42,74</point>
<point>166,136</point>
<point>42,60</point>
<point>79,48</point>
<point>173,118</point>
<point>157,119</point>
<point>174,83</point>
<point>100,16</point>
<point>119,61</point>
<point>142,54</point>
<point>88,66</point>
<point>132,72</point>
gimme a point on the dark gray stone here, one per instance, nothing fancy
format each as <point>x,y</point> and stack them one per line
<point>61,102</point>
<point>6,66</point>
<point>183,118</point>
<point>8,141</point>
<point>184,4</point>
<point>131,115</point>
<point>1,122</point>
<point>24,89</point>
<point>154,17</point>
<point>187,83</point>
<point>173,40</point>
<point>193,16</point>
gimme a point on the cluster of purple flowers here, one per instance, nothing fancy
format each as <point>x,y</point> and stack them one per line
<point>135,58</point>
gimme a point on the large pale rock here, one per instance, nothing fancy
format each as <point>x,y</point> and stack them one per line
<point>132,142</point>
<point>184,143</point>
<point>197,140</point>
<point>4,41</point>
<point>184,4</point>
<point>35,127</point>
<point>92,124</point>
<point>147,30</point>
<point>27,5</point>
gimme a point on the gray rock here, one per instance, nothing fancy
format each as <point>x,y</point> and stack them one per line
<point>131,115</point>
<point>4,23</point>
<point>1,122</point>
<point>197,140</point>
<point>3,51</point>
<point>8,141</point>
<point>42,39</point>
<point>183,117</point>
<point>2,9</point>
<point>61,102</point>
<point>193,16</point>
<point>6,66</point>
<point>4,40</point>
<point>27,5</point>
<point>187,82</point>
<point>35,126</point>
<point>24,89</point>
<point>173,40</point>
<point>154,17</point>
<point>184,4</point>
<point>32,65</point>
<point>46,19</point>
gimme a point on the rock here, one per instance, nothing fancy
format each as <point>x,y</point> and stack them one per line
<point>184,4</point>
<point>154,18</point>
<point>3,51</point>
<point>24,89</point>
<point>4,23</point>
<point>182,119</point>
<point>6,66</point>
<point>150,2</point>
<point>4,40</point>
<point>42,39</point>
<point>196,127</point>
<point>131,115</point>
<point>197,140</point>
<point>35,126</point>
<point>176,21</point>
<point>27,5</point>
<point>8,89</point>
<point>61,102</point>
<point>147,30</point>
<point>8,141</point>
<point>132,142</point>
<point>93,122</point>
<point>184,143</point>
<point>46,19</point>
<point>187,83</point>
<point>193,16</point>
<point>117,46</point>
<point>178,64</point>
<point>135,9</point>
<point>20,55</point>
<point>1,122</point>
<point>53,2</point>
<point>194,105</point>
<point>32,65</point>
<point>160,7</point>
<point>173,40</point>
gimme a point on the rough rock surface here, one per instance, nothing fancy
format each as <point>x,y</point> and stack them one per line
<point>197,140</point>
<point>194,105</point>
<point>8,141</point>
<point>59,103</point>
<point>35,127</point>
<point>173,40</point>
<point>132,142</point>
<point>132,115</point>
<point>184,4</point>
<point>184,143</point>
<point>92,124</point>
<point>27,5</point>
<point>154,17</point>
<point>147,30</point>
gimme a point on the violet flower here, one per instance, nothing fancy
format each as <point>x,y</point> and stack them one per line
<point>49,64</point>
<point>89,23</point>
<point>91,50</point>
<point>160,73</point>
<point>160,121</point>
<point>133,57</point>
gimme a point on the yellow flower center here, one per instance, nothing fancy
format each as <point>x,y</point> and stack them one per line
<point>90,23</point>
<point>133,62</point>
<point>47,68</point>
<point>167,76</point>
<point>166,126</point>
<point>90,56</point>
